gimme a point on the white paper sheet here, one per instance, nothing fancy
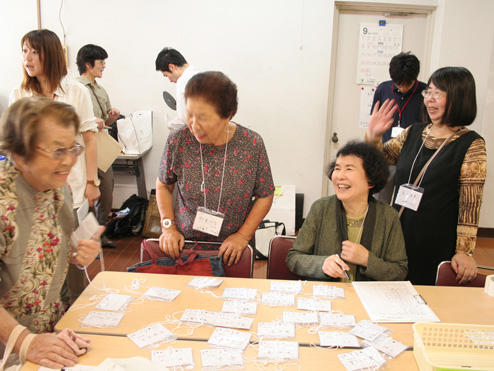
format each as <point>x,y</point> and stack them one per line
<point>395,301</point>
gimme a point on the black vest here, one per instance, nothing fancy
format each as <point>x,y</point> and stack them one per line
<point>430,232</point>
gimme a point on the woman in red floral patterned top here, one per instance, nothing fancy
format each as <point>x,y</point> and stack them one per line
<point>221,170</point>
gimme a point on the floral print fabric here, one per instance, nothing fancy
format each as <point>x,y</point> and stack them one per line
<point>247,175</point>
<point>40,259</point>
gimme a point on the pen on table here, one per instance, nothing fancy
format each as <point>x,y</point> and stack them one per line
<point>344,270</point>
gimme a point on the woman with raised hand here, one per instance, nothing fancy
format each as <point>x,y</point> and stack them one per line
<point>442,223</point>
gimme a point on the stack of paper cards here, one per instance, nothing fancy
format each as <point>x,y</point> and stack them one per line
<point>278,350</point>
<point>338,339</point>
<point>365,359</point>
<point>300,317</point>
<point>218,358</point>
<point>203,317</point>
<point>115,302</point>
<point>337,320</point>
<point>368,330</point>
<point>314,304</point>
<point>153,334</point>
<point>172,357</point>
<point>329,292</point>
<point>229,338</point>
<point>221,319</point>
<point>102,319</point>
<point>387,345</point>
<point>204,282</point>
<point>291,287</point>
<point>240,307</point>
<point>233,320</point>
<point>239,293</point>
<point>277,299</point>
<point>275,330</point>
<point>88,226</point>
<point>161,294</point>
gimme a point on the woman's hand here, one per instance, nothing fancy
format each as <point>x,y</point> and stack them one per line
<point>113,114</point>
<point>232,248</point>
<point>76,342</point>
<point>87,250</point>
<point>92,193</point>
<point>51,351</point>
<point>381,119</point>
<point>172,242</point>
<point>334,267</point>
<point>100,123</point>
<point>465,267</point>
<point>354,253</point>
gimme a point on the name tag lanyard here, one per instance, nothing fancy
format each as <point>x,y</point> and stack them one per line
<point>400,111</point>
<point>210,221</point>
<point>410,195</point>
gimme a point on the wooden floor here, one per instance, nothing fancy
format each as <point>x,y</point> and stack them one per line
<point>127,253</point>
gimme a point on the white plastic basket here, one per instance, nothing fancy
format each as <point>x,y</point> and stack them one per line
<point>451,346</point>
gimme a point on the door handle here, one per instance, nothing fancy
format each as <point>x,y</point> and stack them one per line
<point>334,139</point>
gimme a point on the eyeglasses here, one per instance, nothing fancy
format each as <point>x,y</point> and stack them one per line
<point>59,153</point>
<point>101,61</point>
<point>436,94</point>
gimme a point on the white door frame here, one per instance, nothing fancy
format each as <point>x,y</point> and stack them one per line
<point>395,10</point>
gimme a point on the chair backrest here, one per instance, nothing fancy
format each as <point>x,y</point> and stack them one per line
<point>278,249</point>
<point>446,276</point>
<point>243,269</point>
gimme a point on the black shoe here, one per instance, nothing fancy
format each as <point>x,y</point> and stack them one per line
<point>110,244</point>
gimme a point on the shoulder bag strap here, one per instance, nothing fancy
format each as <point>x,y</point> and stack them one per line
<point>91,87</point>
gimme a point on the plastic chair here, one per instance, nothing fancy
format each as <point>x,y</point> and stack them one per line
<point>243,269</point>
<point>446,276</point>
<point>278,250</point>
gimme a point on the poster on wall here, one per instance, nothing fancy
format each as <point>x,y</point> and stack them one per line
<point>377,45</point>
<point>366,97</point>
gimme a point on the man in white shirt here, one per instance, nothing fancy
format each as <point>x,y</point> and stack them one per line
<point>173,66</point>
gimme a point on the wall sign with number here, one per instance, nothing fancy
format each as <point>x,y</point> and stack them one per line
<point>377,45</point>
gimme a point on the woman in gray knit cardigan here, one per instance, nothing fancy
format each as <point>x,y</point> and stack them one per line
<point>351,236</point>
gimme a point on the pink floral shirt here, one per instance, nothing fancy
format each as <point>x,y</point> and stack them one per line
<point>34,253</point>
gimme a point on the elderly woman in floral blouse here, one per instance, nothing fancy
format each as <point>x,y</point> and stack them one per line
<point>38,137</point>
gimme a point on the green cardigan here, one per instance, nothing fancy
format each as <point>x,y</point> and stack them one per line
<point>318,239</point>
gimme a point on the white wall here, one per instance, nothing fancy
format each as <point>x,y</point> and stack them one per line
<point>277,52</point>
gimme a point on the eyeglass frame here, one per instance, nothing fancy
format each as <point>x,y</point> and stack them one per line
<point>60,152</point>
<point>436,94</point>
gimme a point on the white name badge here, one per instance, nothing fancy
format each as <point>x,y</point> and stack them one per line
<point>208,221</point>
<point>396,131</point>
<point>409,196</point>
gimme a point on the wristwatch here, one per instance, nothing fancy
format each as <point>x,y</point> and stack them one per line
<point>95,182</point>
<point>167,223</point>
